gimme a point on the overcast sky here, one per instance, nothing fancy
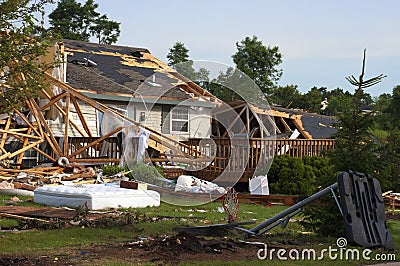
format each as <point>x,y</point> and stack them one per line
<point>321,41</point>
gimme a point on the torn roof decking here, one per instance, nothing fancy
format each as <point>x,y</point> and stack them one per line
<point>310,125</point>
<point>316,125</point>
<point>122,70</point>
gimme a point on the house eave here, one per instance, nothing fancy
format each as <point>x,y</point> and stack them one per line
<point>127,99</point>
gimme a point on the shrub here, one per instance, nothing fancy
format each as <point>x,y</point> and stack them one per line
<point>289,175</point>
<point>139,172</point>
<point>306,176</point>
<point>323,216</point>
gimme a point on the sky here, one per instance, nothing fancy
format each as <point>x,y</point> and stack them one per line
<point>322,42</point>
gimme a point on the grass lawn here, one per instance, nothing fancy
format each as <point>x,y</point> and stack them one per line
<point>158,221</point>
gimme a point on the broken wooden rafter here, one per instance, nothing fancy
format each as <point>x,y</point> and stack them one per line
<point>81,116</point>
<point>64,113</point>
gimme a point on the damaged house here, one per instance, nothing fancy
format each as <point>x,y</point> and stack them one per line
<point>97,91</point>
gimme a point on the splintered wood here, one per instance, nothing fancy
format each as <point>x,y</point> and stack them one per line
<point>392,201</point>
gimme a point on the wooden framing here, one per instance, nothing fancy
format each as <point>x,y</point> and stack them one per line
<point>36,130</point>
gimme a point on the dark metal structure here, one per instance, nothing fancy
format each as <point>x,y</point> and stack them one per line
<point>360,203</point>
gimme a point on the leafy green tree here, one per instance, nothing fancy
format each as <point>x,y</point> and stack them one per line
<point>354,150</point>
<point>339,102</point>
<point>382,111</point>
<point>311,100</point>
<point>203,78</point>
<point>234,85</point>
<point>22,44</point>
<point>221,86</point>
<point>286,96</point>
<point>394,107</point>
<point>106,31</point>
<point>75,21</point>
<point>259,62</point>
<point>289,175</point>
<point>388,169</point>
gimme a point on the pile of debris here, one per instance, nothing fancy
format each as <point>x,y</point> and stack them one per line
<point>30,179</point>
<point>392,201</point>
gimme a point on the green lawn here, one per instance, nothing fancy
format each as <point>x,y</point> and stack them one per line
<point>161,220</point>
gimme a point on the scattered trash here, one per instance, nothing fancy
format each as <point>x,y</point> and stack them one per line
<point>193,184</point>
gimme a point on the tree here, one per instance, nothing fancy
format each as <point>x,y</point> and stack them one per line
<point>106,31</point>
<point>355,147</point>
<point>259,62</point>
<point>22,44</point>
<point>354,150</point>
<point>311,101</point>
<point>178,53</point>
<point>178,58</point>
<point>388,169</point>
<point>286,96</point>
<point>382,111</point>
<point>394,107</point>
<point>80,22</point>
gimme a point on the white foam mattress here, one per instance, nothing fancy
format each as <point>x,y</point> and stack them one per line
<point>96,196</point>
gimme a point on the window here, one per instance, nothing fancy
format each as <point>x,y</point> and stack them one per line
<point>142,117</point>
<point>180,120</point>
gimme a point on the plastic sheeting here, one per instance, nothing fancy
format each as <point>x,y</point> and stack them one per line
<point>193,184</point>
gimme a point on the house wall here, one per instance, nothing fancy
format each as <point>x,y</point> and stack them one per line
<point>199,120</point>
<point>56,120</point>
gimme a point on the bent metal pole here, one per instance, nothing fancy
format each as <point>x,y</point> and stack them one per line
<point>255,230</point>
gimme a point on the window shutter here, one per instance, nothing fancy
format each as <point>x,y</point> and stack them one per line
<point>165,119</point>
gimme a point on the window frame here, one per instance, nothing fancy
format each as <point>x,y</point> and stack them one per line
<point>172,119</point>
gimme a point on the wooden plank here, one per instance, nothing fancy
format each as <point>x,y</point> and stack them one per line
<point>49,136</point>
<point>247,119</point>
<point>66,123</point>
<point>81,116</point>
<point>5,155</point>
<point>19,134</point>
<point>24,143</point>
<point>64,114</point>
<point>286,126</point>
<point>94,160</point>
<point>94,142</point>
<point>34,112</point>
<point>53,100</point>
<point>234,121</point>
<point>4,137</point>
<point>39,151</point>
<point>25,148</point>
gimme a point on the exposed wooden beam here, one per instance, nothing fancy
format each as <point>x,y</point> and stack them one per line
<point>81,116</point>
<point>64,113</point>
<point>234,121</point>
<point>39,151</point>
<point>19,134</point>
<point>287,128</point>
<point>94,142</point>
<point>66,124</point>
<point>49,136</point>
<point>25,148</point>
<point>24,143</point>
<point>300,128</point>
<point>53,100</point>
<point>4,136</point>
<point>23,117</point>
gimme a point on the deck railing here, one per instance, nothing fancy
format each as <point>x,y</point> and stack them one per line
<point>247,155</point>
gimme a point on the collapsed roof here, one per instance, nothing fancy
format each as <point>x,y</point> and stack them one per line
<point>124,71</point>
